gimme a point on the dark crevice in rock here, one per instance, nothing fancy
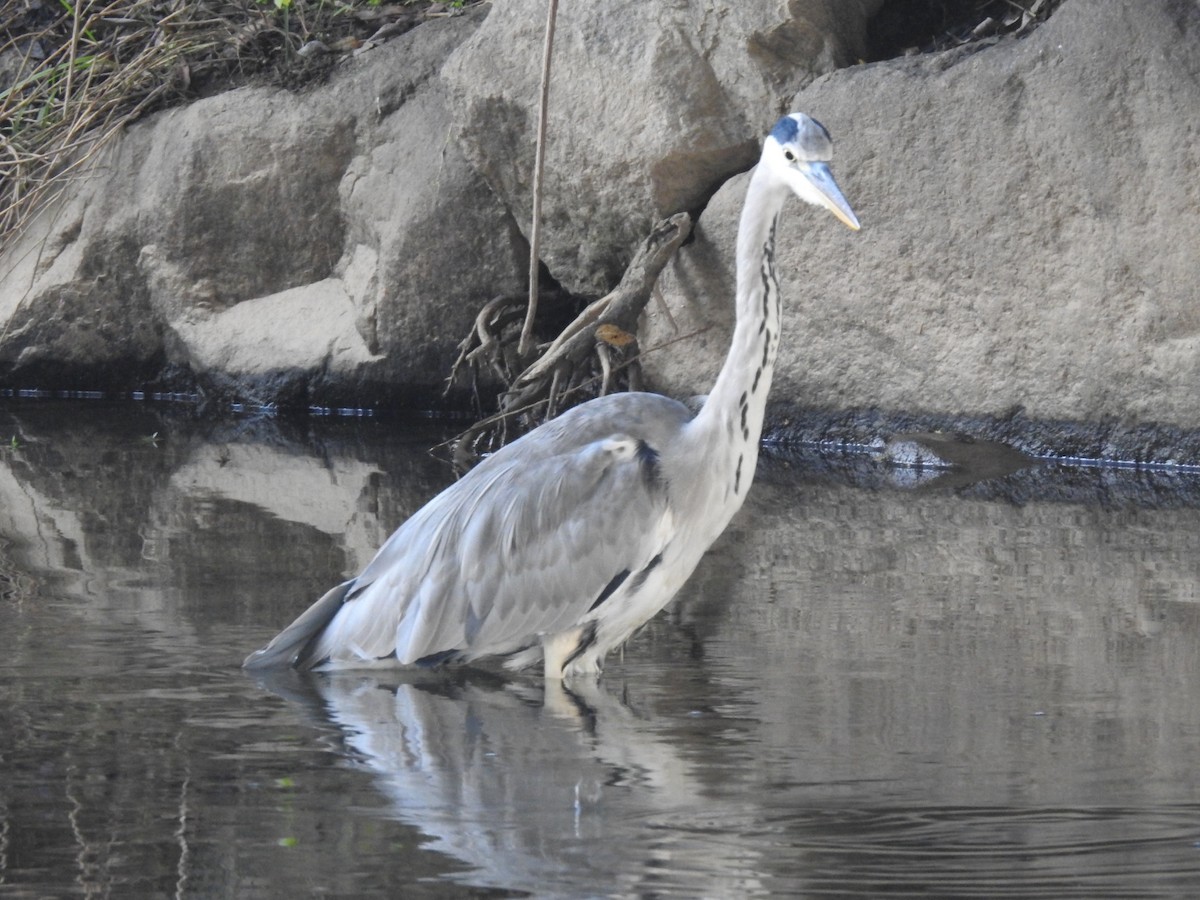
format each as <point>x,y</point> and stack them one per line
<point>910,27</point>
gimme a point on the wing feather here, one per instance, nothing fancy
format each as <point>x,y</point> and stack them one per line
<point>521,546</point>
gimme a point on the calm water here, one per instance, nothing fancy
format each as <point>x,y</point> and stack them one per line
<point>863,692</point>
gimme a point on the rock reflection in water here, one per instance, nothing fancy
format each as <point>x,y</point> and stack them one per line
<point>958,689</point>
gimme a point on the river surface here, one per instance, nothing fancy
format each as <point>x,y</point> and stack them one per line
<point>873,686</point>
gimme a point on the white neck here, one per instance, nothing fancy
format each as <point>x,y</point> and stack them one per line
<point>747,368</point>
<point>728,427</point>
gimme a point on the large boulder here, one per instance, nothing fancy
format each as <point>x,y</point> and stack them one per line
<point>652,106</point>
<point>280,245</point>
<point>1031,213</point>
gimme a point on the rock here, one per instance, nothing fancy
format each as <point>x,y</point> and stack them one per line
<point>97,326</point>
<point>652,107</point>
<point>1030,211</point>
<point>282,246</point>
<point>958,457</point>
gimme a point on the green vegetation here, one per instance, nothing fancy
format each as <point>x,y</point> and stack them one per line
<point>73,73</point>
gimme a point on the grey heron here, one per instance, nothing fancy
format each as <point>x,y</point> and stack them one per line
<point>563,543</point>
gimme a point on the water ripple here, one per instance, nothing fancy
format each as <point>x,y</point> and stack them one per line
<point>977,852</point>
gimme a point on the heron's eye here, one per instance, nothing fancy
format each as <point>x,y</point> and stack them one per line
<point>789,155</point>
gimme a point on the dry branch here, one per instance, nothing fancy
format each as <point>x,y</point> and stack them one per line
<point>539,166</point>
<point>565,368</point>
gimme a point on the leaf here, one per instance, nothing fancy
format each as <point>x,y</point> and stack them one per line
<point>613,335</point>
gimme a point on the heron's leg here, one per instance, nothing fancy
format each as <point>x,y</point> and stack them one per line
<point>557,649</point>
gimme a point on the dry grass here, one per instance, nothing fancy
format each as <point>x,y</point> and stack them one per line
<point>73,73</point>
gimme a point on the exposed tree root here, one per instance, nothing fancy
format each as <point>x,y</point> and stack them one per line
<point>596,354</point>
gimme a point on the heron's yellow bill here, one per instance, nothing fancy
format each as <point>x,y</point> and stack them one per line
<point>829,194</point>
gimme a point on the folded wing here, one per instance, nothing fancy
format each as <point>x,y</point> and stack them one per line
<point>522,546</point>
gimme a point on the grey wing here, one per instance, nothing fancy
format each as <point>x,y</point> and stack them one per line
<point>523,546</point>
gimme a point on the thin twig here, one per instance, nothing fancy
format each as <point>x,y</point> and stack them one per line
<point>539,165</point>
<point>605,355</point>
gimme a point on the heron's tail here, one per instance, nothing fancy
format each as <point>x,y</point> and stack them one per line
<point>289,646</point>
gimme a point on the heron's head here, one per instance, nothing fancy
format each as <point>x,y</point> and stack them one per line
<point>798,151</point>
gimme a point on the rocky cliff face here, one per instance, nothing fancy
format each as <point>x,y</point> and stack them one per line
<point>1031,212</point>
<point>1031,219</point>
